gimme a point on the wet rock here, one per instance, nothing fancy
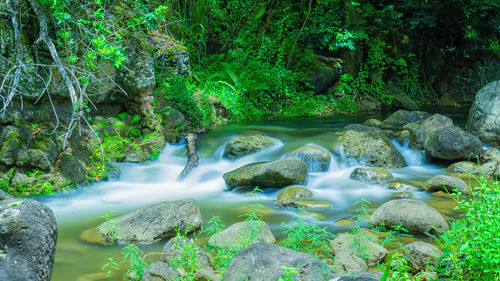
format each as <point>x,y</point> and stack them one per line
<point>402,117</point>
<point>349,263</point>
<point>154,144</point>
<point>72,168</point>
<point>422,131</point>
<point>446,184</point>
<point>453,144</point>
<point>402,195</point>
<point>490,154</point>
<point>160,271</point>
<point>5,195</point>
<point>28,235</point>
<point>303,203</point>
<point>294,192</point>
<point>484,115</point>
<point>317,158</point>
<point>358,245</point>
<point>176,246</point>
<point>366,128</point>
<point>415,216</point>
<point>247,143</point>
<point>237,235</point>
<point>372,176</point>
<point>422,256</point>
<point>205,274</point>
<point>371,149</point>
<point>374,123</point>
<point>264,262</point>
<point>154,223</point>
<point>462,167</point>
<point>400,186</point>
<point>279,173</point>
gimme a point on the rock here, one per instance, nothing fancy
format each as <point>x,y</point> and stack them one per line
<point>415,216</point>
<point>238,236</point>
<point>317,158</point>
<point>294,192</point>
<point>28,235</point>
<point>368,129</point>
<point>303,203</point>
<point>453,144</point>
<point>152,145</point>
<point>402,101</point>
<point>446,183</point>
<point>422,256</point>
<point>72,168</point>
<point>247,143</point>
<point>348,263</point>
<point>400,186</point>
<point>205,275</point>
<point>490,154</point>
<point>174,61</point>
<point>462,167</point>
<point>176,246</point>
<point>264,262</point>
<point>279,173</point>
<point>154,223</point>
<point>160,271</point>
<point>323,72</point>
<point>422,131</point>
<point>38,159</point>
<point>484,115</point>
<point>12,139</point>
<point>360,246</point>
<point>404,137</point>
<point>402,195</point>
<point>371,149</point>
<point>374,123</point>
<point>5,195</point>
<point>402,117</point>
<point>358,276</point>
<point>488,169</point>
<point>372,175</point>
<point>369,104</point>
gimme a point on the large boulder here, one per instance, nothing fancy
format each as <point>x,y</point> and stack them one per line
<point>28,235</point>
<point>265,262</point>
<point>279,173</point>
<point>422,256</point>
<point>153,223</point>
<point>453,144</point>
<point>420,132</point>
<point>371,149</point>
<point>446,184</point>
<point>402,117</point>
<point>484,115</point>
<point>415,216</point>
<point>247,143</point>
<point>370,175</point>
<point>359,245</point>
<point>160,271</point>
<point>349,263</point>
<point>242,234</point>
<point>316,157</point>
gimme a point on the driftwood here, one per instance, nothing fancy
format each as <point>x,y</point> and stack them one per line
<point>192,156</point>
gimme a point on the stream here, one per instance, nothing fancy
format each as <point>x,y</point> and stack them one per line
<point>143,184</point>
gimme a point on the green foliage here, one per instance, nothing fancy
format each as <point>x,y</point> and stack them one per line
<point>184,256</point>
<point>132,257</point>
<point>289,271</point>
<point>472,246</point>
<point>109,227</point>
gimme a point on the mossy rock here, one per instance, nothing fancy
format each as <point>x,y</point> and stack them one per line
<point>294,192</point>
<point>372,175</point>
<point>371,149</point>
<point>247,143</point>
<point>446,184</point>
<point>279,173</point>
<point>462,167</point>
<point>317,158</point>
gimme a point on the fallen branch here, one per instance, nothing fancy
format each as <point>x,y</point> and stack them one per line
<point>192,156</point>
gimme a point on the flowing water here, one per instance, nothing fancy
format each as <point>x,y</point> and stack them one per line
<point>144,184</point>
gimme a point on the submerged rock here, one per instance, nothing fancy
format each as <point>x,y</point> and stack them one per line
<point>317,158</point>
<point>247,143</point>
<point>371,149</point>
<point>28,235</point>
<point>373,176</point>
<point>422,256</point>
<point>415,216</point>
<point>279,173</point>
<point>265,262</point>
<point>153,223</point>
<point>453,144</point>
<point>484,115</point>
<point>446,183</point>
<point>237,236</point>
